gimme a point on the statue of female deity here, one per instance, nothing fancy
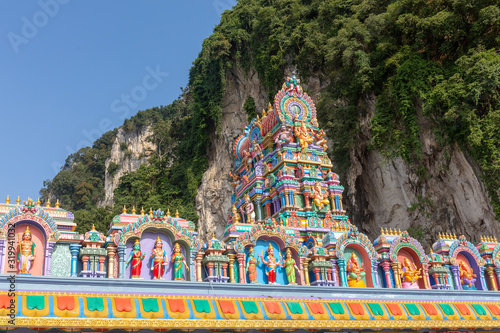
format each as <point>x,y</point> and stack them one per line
<point>284,137</point>
<point>249,209</point>
<point>302,133</point>
<point>409,275</point>
<point>320,198</point>
<point>26,253</point>
<point>290,267</point>
<point>158,261</point>
<point>252,263</point>
<point>179,262</point>
<point>136,256</point>
<point>271,264</point>
<point>355,272</point>
<point>467,277</point>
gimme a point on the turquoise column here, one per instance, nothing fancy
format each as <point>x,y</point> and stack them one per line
<point>343,274</point>
<point>121,254</point>
<point>74,249</point>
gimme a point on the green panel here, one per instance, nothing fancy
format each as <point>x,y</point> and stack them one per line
<point>250,306</point>
<point>35,302</point>
<point>95,303</point>
<point>150,305</point>
<point>376,309</point>
<point>447,309</point>
<point>413,309</point>
<point>336,308</point>
<point>60,262</point>
<point>202,305</point>
<point>295,307</point>
<point>479,309</point>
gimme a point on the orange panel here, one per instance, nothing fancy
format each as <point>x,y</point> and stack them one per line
<point>66,303</point>
<point>494,309</point>
<point>176,305</point>
<point>356,308</point>
<point>227,306</point>
<point>316,308</point>
<point>272,307</point>
<point>430,309</point>
<point>123,304</point>
<point>464,309</point>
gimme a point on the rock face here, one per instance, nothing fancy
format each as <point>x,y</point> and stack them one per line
<point>129,151</point>
<point>447,197</point>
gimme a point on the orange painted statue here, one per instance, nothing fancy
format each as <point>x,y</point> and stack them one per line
<point>26,253</point>
<point>252,263</point>
<point>409,274</point>
<point>355,272</point>
<point>467,277</point>
<point>302,133</point>
<point>320,198</point>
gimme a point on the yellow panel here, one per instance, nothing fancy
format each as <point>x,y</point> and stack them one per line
<point>95,314</point>
<point>152,315</point>
<point>66,313</point>
<point>203,315</point>
<point>35,312</point>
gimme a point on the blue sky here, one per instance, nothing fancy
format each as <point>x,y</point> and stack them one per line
<point>71,70</point>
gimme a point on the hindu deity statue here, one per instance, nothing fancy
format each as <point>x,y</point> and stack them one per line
<point>320,140</point>
<point>467,277</point>
<point>249,209</point>
<point>290,267</point>
<point>302,133</point>
<point>409,274</point>
<point>236,179</point>
<point>26,253</point>
<point>158,262</point>
<point>355,272</point>
<point>136,257</point>
<point>257,149</point>
<point>179,262</point>
<point>271,265</point>
<point>252,263</point>
<point>284,137</point>
<point>320,198</point>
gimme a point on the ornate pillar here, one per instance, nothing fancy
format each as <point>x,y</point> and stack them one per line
<point>306,200</point>
<point>427,281</point>
<point>376,283</point>
<point>101,263</point>
<point>334,272</point>
<point>241,265</point>
<point>306,271</point>
<point>497,271</point>
<point>74,249</point>
<point>121,256</point>
<point>258,210</point>
<point>231,267</point>
<point>191,274</point>
<point>2,249</point>
<point>491,276</point>
<point>268,209</point>
<point>387,274</point>
<point>111,260</point>
<point>224,270</point>
<point>48,257</point>
<point>456,276</point>
<point>291,198</point>
<point>198,260</point>
<point>483,281</point>
<point>343,273</point>
<point>397,277</point>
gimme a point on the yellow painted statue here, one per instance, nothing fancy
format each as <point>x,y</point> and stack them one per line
<point>355,272</point>
<point>26,253</point>
<point>409,275</point>
<point>302,133</point>
<point>320,198</point>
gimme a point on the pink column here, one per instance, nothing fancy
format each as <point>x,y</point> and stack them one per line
<point>241,265</point>
<point>387,274</point>
<point>301,271</point>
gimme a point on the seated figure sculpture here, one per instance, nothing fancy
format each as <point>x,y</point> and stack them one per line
<point>302,133</point>
<point>320,198</point>
<point>467,277</point>
<point>355,272</point>
<point>409,275</point>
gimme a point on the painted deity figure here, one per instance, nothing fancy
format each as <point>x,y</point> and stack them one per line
<point>320,198</point>
<point>257,149</point>
<point>467,277</point>
<point>271,264</point>
<point>179,262</point>
<point>249,209</point>
<point>355,272</point>
<point>302,133</point>
<point>158,262</point>
<point>320,140</point>
<point>26,253</point>
<point>136,257</point>
<point>409,274</point>
<point>290,267</point>
<point>284,137</point>
<point>252,263</point>
<point>236,179</point>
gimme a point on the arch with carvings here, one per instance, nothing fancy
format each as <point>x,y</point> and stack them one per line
<point>40,218</point>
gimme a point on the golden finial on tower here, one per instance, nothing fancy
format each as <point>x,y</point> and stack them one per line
<point>381,231</point>
<point>481,238</point>
<point>386,231</point>
<point>490,239</point>
<point>57,203</point>
<point>264,113</point>
<point>495,239</point>
<point>7,201</point>
<point>48,203</point>
<point>150,212</point>
<point>93,227</point>
<point>124,211</point>
<point>38,203</point>
<point>133,210</point>
<point>454,236</point>
<point>176,213</point>
<point>18,201</point>
<point>399,232</point>
<point>213,235</point>
<point>142,211</point>
<point>168,212</point>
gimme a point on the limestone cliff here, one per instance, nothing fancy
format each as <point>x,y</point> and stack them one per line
<point>130,149</point>
<point>447,196</point>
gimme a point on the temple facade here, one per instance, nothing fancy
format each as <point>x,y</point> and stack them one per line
<point>289,259</point>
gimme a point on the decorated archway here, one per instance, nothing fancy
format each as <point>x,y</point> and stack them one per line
<point>467,265</point>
